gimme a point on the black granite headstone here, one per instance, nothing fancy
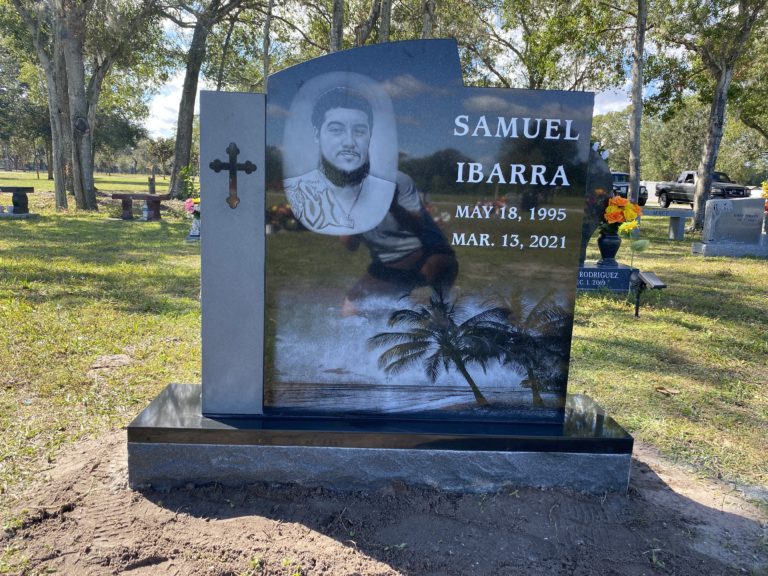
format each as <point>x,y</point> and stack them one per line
<point>392,297</point>
<point>426,202</point>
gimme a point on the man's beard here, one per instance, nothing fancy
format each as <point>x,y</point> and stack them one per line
<point>339,177</point>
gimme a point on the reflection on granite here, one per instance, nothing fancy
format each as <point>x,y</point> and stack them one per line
<point>175,417</point>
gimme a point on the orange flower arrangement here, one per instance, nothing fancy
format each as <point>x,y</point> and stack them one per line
<point>620,215</point>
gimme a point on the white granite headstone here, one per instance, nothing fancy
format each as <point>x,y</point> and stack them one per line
<point>232,252</point>
<point>739,220</point>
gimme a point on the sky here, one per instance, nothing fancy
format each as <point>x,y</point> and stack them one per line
<point>164,107</point>
<point>611,101</point>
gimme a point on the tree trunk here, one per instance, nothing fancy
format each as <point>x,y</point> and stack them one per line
<point>58,107</point>
<point>51,60</point>
<point>195,57</point>
<point>386,19</point>
<point>72,105</point>
<point>337,26</point>
<point>721,61</point>
<point>363,30</point>
<point>637,101</point>
<point>62,114</point>
<point>58,98</point>
<point>49,159</point>
<point>536,398</point>
<point>220,76</point>
<point>73,40</point>
<point>479,398</point>
<point>215,11</point>
<point>265,44</point>
<point>428,19</point>
<point>711,146</point>
<point>92,104</point>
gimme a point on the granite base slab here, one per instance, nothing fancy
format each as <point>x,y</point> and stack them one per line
<point>733,249</point>
<point>171,444</point>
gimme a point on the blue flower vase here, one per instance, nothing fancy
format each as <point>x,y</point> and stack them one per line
<point>609,245</point>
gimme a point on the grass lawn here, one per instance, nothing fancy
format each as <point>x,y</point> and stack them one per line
<point>77,287</point>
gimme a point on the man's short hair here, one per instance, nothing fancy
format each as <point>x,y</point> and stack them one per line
<point>340,97</point>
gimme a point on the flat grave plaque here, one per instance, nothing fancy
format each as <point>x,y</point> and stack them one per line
<point>614,278</point>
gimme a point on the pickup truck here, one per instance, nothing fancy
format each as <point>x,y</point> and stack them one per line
<point>684,189</point>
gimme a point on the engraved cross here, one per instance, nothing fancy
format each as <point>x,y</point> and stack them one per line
<point>233,166</point>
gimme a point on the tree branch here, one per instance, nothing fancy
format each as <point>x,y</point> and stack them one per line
<point>503,41</point>
<point>33,25</point>
<point>751,122</point>
<point>295,28</point>
<point>618,9</point>
<point>489,64</point>
<point>363,30</point>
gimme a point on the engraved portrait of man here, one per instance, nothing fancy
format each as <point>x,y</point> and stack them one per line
<point>355,191</point>
<point>340,154</point>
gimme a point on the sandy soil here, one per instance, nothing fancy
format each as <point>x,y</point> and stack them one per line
<point>84,520</point>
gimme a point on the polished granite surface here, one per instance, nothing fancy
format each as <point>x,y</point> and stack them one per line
<point>175,417</point>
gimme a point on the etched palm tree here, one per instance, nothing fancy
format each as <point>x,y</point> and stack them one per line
<point>540,340</point>
<point>433,337</point>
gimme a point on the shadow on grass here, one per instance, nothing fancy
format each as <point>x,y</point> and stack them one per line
<point>656,360</point>
<point>697,298</point>
<point>715,296</point>
<point>153,294</point>
<point>95,241</point>
<point>134,266</point>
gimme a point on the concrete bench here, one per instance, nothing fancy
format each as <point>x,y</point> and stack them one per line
<point>19,198</point>
<point>153,203</point>
<point>676,217</point>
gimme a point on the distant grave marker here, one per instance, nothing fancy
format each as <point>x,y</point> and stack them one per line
<point>734,221</point>
<point>733,228</point>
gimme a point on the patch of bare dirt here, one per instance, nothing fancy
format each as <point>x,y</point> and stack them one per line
<point>106,364</point>
<point>84,520</point>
